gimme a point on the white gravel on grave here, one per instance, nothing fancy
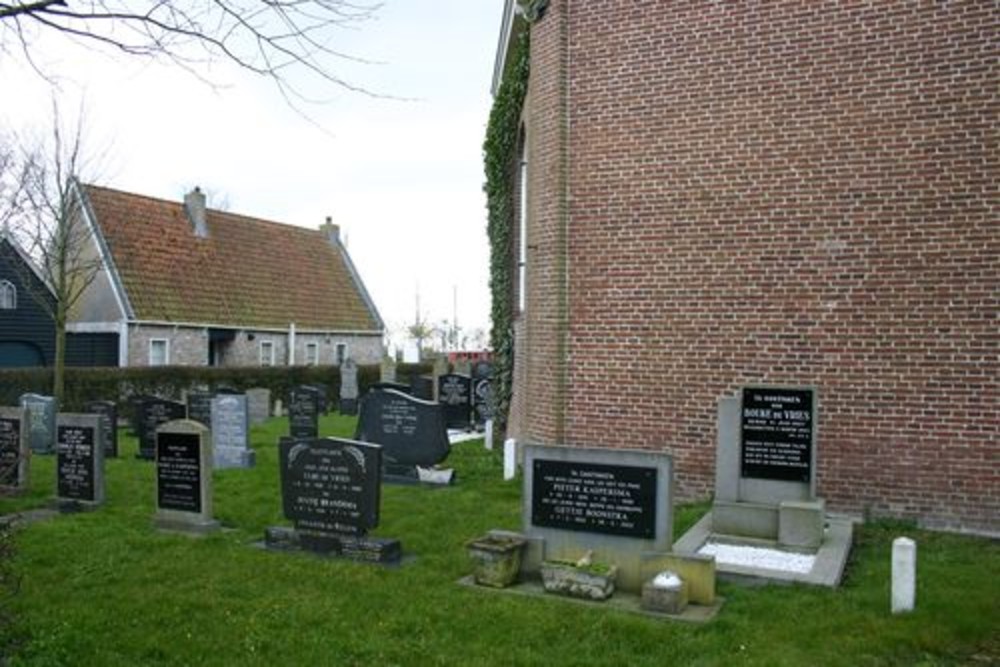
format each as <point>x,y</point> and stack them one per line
<point>758,557</point>
<point>455,437</point>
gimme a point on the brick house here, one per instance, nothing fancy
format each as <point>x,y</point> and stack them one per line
<point>185,285</point>
<point>717,194</point>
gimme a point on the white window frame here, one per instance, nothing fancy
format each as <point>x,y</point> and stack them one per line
<point>339,358</point>
<point>153,342</point>
<point>266,359</point>
<point>312,354</point>
<point>8,295</point>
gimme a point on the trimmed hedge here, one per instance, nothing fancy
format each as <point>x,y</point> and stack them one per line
<point>119,384</point>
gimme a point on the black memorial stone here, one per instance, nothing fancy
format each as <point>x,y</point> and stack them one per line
<point>10,451</point>
<point>776,433</point>
<point>323,396</point>
<point>411,431</point>
<point>455,397</point>
<point>199,407</point>
<point>154,412</point>
<point>303,412</point>
<point>109,424</point>
<point>75,463</point>
<point>422,387</point>
<point>178,472</point>
<point>594,498</point>
<point>395,386</point>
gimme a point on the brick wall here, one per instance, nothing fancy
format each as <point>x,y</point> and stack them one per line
<point>789,193</point>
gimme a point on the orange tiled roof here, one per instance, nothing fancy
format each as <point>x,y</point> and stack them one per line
<point>247,273</point>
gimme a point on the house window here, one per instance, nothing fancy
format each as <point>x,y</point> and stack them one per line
<point>312,354</point>
<point>8,295</point>
<point>341,353</point>
<point>522,229</point>
<point>266,353</point>
<point>159,352</point>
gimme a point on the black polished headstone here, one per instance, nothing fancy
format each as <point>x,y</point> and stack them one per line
<point>109,424</point>
<point>422,387</point>
<point>41,424</point>
<point>12,458</point>
<point>396,386</point>
<point>199,407</point>
<point>303,412</point>
<point>482,400</point>
<point>80,460</point>
<point>323,393</point>
<point>455,397</point>
<point>154,412</point>
<point>411,431</point>
<point>776,433</point>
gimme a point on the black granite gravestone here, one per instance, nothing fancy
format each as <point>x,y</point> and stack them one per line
<point>79,460</point>
<point>178,472</point>
<point>109,424</point>
<point>396,386</point>
<point>422,387</point>
<point>411,431</point>
<point>12,458</point>
<point>303,412</point>
<point>153,412</point>
<point>455,397</point>
<point>199,407</point>
<point>331,489</point>
<point>323,396</point>
<point>776,433</point>
<point>482,400</point>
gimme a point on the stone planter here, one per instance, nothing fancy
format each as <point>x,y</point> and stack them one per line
<point>591,582</point>
<point>496,559</point>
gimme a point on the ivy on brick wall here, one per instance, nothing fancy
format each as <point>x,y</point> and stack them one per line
<point>500,155</point>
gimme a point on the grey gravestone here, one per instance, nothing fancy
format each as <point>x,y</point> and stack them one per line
<point>617,503</point>
<point>80,460</point>
<point>41,422</point>
<point>303,412</point>
<point>349,387</point>
<point>152,413</point>
<point>482,400</point>
<point>109,424</point>
<point>14,452</point>
<point>422,387</point>
<point>387,370</point>
<point>199,407</point>
<point>411,431</point>
<point>455,396</point>
<point>184,477</point>
<point>258,405</point>
<point>231,432</point>
<point>331,489</point>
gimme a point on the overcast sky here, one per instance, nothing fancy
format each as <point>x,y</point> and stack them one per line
<point>402,178</point>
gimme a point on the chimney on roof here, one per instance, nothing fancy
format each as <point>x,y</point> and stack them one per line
<point>330,231</point>
<point>194,206</point>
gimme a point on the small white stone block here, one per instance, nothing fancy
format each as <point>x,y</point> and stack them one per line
<point>489,434</point>
<point>509,458</point>
<point>904,575</point>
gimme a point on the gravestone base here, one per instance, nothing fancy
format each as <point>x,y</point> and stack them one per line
<point>169,524</point>
<point>395,474</point>
<point>349,406</point>
<point>64,506</point>
<point>234,457</point>
<point>353,547</point>
<point>756,520</point>
<point>801,524</point>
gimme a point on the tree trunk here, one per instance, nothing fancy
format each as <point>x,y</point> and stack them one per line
<point>59,364</point>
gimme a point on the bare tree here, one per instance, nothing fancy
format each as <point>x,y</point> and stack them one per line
<point>50,226</point>
<point>270,38</point>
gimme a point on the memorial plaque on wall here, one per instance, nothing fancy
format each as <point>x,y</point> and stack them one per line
<point>109,424</point>
<point>331,485</point>
<point>153,413</point>
<point>10,451</point>
<point>303,412</point>
<point>594,498</point>
<point>75,463</point>
<point>776,433</point>
<point>178,472</point>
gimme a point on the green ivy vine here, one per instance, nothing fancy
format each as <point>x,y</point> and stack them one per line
<point>500,155</point>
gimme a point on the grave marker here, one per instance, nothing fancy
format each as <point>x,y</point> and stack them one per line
<point>108,412</point>
<point>14,451</point>
<point>303,412</point>
<point>258,404</point>
<point>41,422</point>
<point>79,461</point>
<point>154,412</point>
<point>349,387</point>
<point>184,477</point>
<point>455,396</point>
<point>231,432</point>
<point>199,407</point>
<point>411,431</point>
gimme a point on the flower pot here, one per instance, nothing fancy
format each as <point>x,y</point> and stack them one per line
<point>496,559</point>
<point>589,582</point>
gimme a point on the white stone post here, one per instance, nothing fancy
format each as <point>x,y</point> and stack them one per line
<point>509,458</point>
<point>904,575</point>
<point>489,434</point>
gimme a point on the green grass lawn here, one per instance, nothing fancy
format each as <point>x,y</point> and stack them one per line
<point>104,588</point>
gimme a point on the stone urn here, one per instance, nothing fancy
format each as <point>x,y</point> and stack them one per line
<point>496,559</point>
<point>593,581</point>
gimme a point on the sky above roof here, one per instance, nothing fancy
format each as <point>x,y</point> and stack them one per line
<point>401,174</point>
